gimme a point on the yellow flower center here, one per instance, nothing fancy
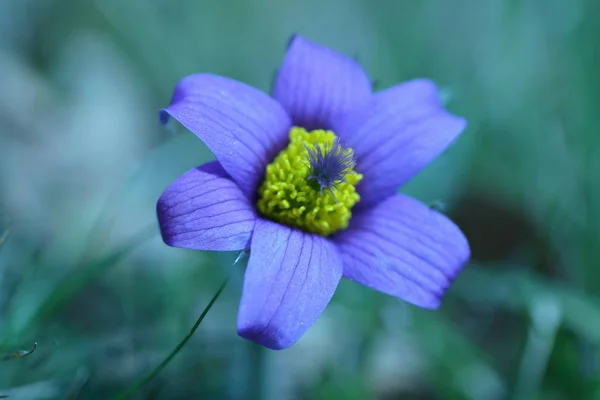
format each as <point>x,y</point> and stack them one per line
<point>311,184</point>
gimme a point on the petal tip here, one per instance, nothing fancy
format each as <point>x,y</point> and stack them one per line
<point>264,336</point>
<point>431,303</point>
<point>162,218</point>
<point>169,241</point>
<point>461,123</point>
<point>291,40</point>
<point>163,116</point>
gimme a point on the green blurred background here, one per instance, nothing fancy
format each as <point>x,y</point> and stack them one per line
<point>84,273</point>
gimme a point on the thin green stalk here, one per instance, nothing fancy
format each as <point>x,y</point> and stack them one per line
<point>144,380</point>
<point>546,320</point>
<point>4,236</point>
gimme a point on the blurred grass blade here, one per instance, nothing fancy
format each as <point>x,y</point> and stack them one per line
<point>74,283</point>
<point>140,383</point>
<point>467,368</point>
<point>517,289</point>
<point>18,354</point>
<point>545,323</point>
<point>77,281</point>
<point>4,236</point>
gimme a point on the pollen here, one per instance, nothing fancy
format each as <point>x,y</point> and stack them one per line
<point>311,184</point>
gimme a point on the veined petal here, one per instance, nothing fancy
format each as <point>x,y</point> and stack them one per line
<point>242,126</point>
<point>402,130</point>
<point>290,278</point>
<point>316,85</point>
<point>405,249</point>
<point>205,210</point>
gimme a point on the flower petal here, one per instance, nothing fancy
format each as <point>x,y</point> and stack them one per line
<point>205,210</point>
<point>291,276</point>
<point>317,85</point>
<point>405,249</point>
<point>242,126</point>
<point>402,130</point>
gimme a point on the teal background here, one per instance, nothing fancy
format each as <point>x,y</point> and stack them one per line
<point>84,273</point>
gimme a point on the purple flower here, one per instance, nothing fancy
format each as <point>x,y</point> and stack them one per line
<point>323,128</point>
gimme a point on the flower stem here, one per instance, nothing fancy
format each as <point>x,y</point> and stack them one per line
<point>144,380</point>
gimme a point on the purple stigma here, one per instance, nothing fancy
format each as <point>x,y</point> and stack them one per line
<point>329,166</point>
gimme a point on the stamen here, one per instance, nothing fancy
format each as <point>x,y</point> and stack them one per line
<point>311,183</point>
